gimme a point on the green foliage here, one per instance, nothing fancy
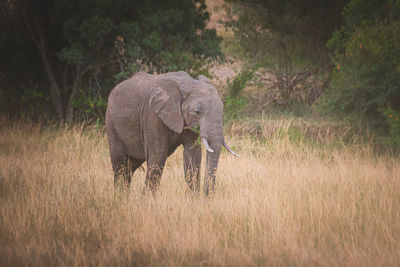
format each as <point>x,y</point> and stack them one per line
<point>393,119</point>
<point>232,107</point>
<point>169,38</point>
<point>307,20</point>
<point>62,46</point>
<point>72,55</point>
<point>239,82</point>
<point>233,101</point>
<point>366,50</point>
<point>287,39</point>
<point>89,106</point>
<point>34,101</point>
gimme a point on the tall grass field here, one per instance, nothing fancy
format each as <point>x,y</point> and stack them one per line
<point>297,196</point>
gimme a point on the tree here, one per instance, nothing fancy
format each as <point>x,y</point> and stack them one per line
<point>366,50</point>
<point>288,37</point>
<point>66,44</point>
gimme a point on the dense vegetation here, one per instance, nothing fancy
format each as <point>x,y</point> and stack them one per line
<point>366,79</point>
<point>337,57</point>
<point>60,59</point>
<point>287,39</point>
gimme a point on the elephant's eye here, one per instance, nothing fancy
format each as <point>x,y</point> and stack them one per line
<point>195,111</point>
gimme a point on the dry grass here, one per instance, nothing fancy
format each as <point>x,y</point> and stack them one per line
<point>284,202</point>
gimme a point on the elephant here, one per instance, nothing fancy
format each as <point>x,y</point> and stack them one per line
<point>149,115</point>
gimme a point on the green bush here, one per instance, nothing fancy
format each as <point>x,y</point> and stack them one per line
<point>233,101</point>
<point>35,102</point>
<point>366,50</point>
<point>60,47</point>
<point>89,106</point>
<point>287,40</point>
<point>393,119</point>
<point>232,107</point>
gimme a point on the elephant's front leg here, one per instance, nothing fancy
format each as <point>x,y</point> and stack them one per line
<point>157,155</point>
<point>153,176</point>
<point>192,162</point>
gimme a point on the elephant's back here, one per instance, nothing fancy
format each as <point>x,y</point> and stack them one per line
<point>130,91</point>
<point>127,98</point>
<point>124,109</point>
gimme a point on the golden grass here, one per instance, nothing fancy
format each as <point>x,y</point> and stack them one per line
<point>284,202</point>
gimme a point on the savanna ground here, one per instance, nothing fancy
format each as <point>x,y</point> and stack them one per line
<point>301,194</point>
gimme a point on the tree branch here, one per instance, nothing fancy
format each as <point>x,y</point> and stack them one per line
<point>38,39</point>
<point>75,88</point>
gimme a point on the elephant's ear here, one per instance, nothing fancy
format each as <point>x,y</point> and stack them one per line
<point>165,101</point>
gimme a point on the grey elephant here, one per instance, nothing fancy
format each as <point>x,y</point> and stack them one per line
<point>149,116</point>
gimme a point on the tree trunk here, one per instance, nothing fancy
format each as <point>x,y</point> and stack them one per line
<point>55,89</point>
<point>38,39</point>
<point>74,94</point>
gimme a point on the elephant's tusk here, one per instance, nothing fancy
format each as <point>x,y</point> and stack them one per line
<point>230,150</point>
<point>205,142</point>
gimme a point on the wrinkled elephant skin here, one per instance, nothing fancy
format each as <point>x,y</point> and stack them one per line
<point>149,116</point>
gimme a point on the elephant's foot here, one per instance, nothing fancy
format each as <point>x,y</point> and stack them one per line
<point>153,178</point>
<point>193,182</point>
<point>209,185</point>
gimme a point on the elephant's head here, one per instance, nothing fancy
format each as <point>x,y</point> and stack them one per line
<point>202,109</point>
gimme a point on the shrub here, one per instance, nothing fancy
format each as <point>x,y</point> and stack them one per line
<point>89,106</point>
<point>393,119</point>
<point>60,46</point>
<point>367,62</point>
<point>233,101</point>
<point>287,40</point>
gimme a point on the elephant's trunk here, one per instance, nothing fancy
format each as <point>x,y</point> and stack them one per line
<point>211,168</point>
<point>213,139</point>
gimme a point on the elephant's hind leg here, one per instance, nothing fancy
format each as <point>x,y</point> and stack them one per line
<point>121,170</point>
<point>124,169</point>
<point>123,165</point>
